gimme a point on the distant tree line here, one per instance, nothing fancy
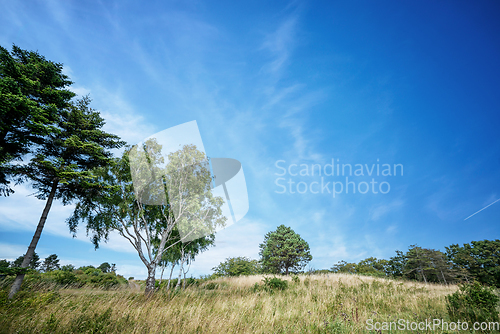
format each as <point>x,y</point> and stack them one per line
<point>50,271</point>
<point>477,261</point>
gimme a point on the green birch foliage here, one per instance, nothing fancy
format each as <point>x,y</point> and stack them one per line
<point>118,206</point>
<point>183,190</point>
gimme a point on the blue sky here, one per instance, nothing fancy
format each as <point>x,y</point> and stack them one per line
<point>410,83</point>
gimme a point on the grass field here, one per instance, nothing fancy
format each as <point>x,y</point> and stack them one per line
<point>333,303</point>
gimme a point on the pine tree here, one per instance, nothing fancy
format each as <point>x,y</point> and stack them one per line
<point>32,93</point>
<point>283,250</point>
<point>50,263</point>
<point>61,168</point>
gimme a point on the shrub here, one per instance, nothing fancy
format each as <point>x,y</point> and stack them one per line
<point>190,281</point>
<point>295,279</point>
<point>275,283</point>
<point>215,285</point>
<point>68,267</point>
<point>237,266</point>
<point>65,277</point>
<point>473,303</point>
<point>307,281</point>
<point>121,279</point>
<point>130,278</point>
<point>211,286</point>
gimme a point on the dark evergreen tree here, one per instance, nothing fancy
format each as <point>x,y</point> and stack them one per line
<point>284,250</point>
<point>33,264</point>
<point>479,260</point>
<point>32,93</point>
<point>50,263</point>
<point>61,168</point>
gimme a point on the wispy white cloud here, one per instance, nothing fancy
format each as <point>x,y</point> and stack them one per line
<point>122,118</point>
<point>12,14</point>
<point>58,12</point>
<point>16,217</point>
<point>10,252</point>
<point>379,210</point>
<point>119,244</point>
<point>280,44</point>
<point>132,270</point>
<point>80,91</point>
<point>240,239</point>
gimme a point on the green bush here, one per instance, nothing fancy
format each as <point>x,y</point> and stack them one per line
<point>121,279</point>
<point>237,266</point>
<point>473,303</point>
<point>215,285</point>
<point>275,283</point>
<point>307,281</point>
<point>295,279</point>
<point>211,286</point>
<point>64,277</point>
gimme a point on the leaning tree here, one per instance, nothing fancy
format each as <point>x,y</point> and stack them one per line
<point>33,91</point>
<point>61,167</point>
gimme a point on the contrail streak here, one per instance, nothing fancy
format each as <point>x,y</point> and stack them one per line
<point>482,209</point>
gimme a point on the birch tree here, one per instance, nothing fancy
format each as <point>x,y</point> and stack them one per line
<point>146,196</point>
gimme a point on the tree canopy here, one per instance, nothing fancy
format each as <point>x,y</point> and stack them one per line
<point>33,264</point>
<point>32,92</point>
<point>50,263</point>
<point>480,259</point>
<point>284,250</point>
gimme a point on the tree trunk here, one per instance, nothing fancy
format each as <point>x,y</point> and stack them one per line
<point>423,275</point>
<point>34,241</point>
<point>287,271</point>
<point>161,276</point>
<point>150,281</point>
<point>180,273</point>
<point>443,276</point>
<point>170,278</point>
<point>179,278</point>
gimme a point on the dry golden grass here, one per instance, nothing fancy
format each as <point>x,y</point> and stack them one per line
<point>333,303</point>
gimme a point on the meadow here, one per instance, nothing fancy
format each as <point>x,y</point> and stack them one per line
<point>333,303</point>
